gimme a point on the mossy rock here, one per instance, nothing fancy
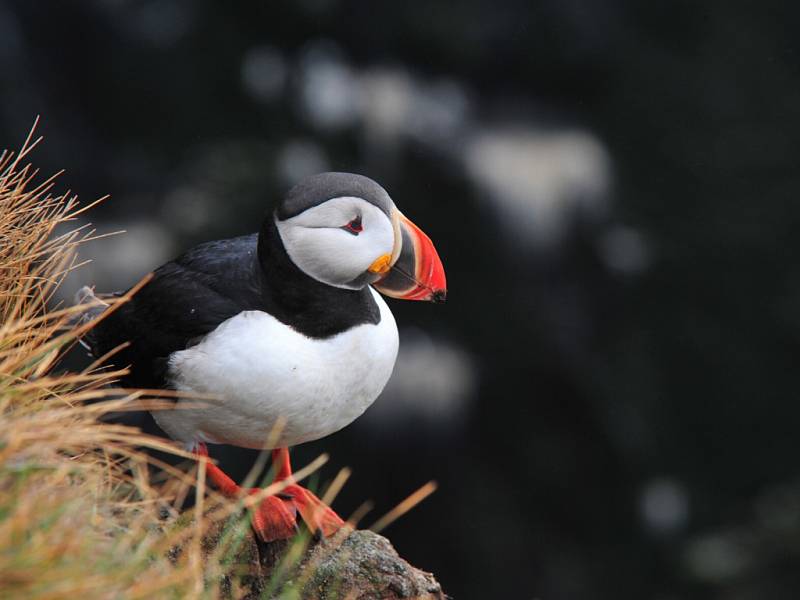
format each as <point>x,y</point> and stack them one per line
<point>351,565</point>
<point>362,565</point>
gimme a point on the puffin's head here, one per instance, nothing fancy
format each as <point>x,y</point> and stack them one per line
<point>344,230</point>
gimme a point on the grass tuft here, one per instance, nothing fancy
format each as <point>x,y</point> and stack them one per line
<point>79,515</point>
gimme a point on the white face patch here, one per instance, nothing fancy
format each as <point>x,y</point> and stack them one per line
<point>317,243</point>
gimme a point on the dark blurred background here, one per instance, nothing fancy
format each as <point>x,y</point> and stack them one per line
<point>607,400</point>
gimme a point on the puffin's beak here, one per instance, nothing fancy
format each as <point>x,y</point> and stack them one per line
<point>417,273</point>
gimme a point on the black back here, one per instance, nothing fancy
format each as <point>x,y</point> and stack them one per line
<point>192,295</point>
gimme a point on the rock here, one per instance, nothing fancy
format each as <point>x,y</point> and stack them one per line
<point>362,565</point>
<point>352,565</point>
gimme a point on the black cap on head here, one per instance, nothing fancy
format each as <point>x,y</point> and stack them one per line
<point>317,189</point>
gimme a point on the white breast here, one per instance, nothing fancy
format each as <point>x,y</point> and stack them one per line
<point>259,370</point>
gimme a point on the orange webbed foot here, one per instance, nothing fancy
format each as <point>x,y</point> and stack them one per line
<point>275,517</point>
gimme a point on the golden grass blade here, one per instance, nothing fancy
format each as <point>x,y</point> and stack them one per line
<point>405,506</point>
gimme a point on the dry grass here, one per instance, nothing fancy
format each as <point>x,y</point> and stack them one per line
<point>79,516</point>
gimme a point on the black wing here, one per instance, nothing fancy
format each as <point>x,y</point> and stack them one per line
<point>186,299</point>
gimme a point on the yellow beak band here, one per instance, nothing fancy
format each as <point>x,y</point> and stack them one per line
<point>381,265</point>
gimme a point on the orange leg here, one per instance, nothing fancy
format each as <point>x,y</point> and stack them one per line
<point>275,518</point>
<point>316,514</point>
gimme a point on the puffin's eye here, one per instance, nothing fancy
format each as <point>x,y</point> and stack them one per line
<point>354,226</point>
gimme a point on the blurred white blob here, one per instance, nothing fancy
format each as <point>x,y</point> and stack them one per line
<point>433,382</point>
<point>390,104</point>
<point>119,261</point>
<point>188,209</point>
<point>264,73</point>
<point>718,557</point>
<point>329,94</point>
<point>540,180</point>
<point>397,106</point>
<point>625,250</point>
<point>664,506</point>
<point>387,101</point>
<point>300,158</point>
<point>440,109</point>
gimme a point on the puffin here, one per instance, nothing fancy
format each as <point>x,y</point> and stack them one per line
<point>283,333</point>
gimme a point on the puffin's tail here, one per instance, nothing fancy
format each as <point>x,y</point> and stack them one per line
<point>92,307</point>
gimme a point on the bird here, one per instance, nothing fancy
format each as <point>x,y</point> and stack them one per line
<point>284,332</point>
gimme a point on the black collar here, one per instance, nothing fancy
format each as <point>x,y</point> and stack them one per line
<point>309,306</point>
